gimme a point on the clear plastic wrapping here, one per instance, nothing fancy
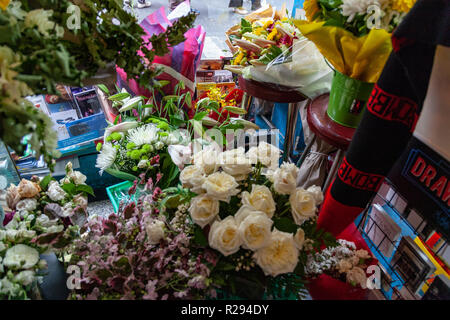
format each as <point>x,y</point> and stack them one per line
<point>301,67</point>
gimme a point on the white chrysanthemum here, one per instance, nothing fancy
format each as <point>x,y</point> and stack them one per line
<point>351,8</point>
<point>147,134</point>
<point>106,157</point>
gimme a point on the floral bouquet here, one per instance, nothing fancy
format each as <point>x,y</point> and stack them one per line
<point>141,253</point>
<point>138,141</point>
<point>46,216</point>
<point>355,37</point>
<point>223,109</point>
<point>338,272</point>
<point>271,49</point>
<point>247,208</point>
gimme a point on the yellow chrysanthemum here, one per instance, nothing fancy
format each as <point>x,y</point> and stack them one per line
<point>311,8</point>
<point>272,34</point>
<point>403,5</point>
<point>258,31</point>
<point>4,4</point>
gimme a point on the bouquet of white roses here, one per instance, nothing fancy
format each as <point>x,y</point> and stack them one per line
<point>248,208</point>
<point>46,216</point>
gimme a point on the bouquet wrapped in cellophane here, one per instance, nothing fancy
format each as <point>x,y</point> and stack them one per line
<point>355,37</point>
<point>268,47</point>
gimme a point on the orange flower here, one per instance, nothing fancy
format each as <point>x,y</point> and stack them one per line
<point>311,8</point>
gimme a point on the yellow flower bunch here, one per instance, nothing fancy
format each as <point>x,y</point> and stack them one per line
<point>403,5</point>
<point>239,57</point>
<point>258,31</point>
<point>272,34</point>
<point>216,94</point>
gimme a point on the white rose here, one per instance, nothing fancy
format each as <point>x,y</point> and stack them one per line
<point>203,210</point>
<point>13,224</point>
<point>2,234</point>
<point>299,238</point>
<point>357,276</point>
<point>9,288</point>
<point>55,192</point>
<point>285,178</point>
<point>221,186</point>
<point>28,204</point>
<point>81,201</point>
<point>26,234</point>
<point>255,230</point>
<point>43,220</point>
<point>235,163</point>
<point>224,236</point>
<point>303,205</point>
<point>265,153</point>
<point>344,265</point>
<point>78,177</point>
<point>207,159</point>
<point>362,254</point>
<point>280,256</point>
<point>192,177</point>
<point>316,191</point>
<point>261,199</point>
<point>142,164</point>
<point>159,145</point>
<point>2,247</point>
<point>25,277</point>
<point>67,209</point>
<point>11,234</point>
<point>155,231</point>
<point>21,256</point>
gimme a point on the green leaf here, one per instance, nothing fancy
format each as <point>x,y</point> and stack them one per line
<point>44,183</point>
<point>246,26</point>
<point>103,88</point>
<point>119,96</point>
<point>285,225</point>
<point>199,237</point>
<point>188,99</point>
<point>120,174</point>
<point>69,188</point>
<point>200,115</point>
<point>235,110</point>
<point>84,188</point>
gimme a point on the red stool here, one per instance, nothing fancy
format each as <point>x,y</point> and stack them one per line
<point>279,94</point>
<point>329,131</point>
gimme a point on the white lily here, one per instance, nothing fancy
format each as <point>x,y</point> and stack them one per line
<point>121,127</point>
<point>180,154</point>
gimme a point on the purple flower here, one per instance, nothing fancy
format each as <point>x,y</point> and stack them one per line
<point>8,217</point>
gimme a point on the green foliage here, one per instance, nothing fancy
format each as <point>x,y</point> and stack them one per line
<point>47,57</point>
<point>246,26</point>
<point>45,181</point>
